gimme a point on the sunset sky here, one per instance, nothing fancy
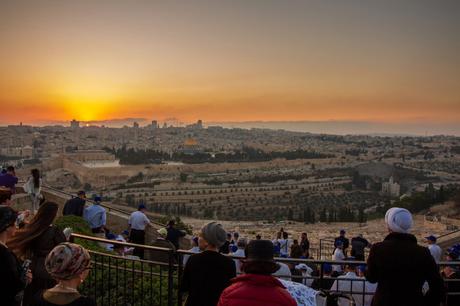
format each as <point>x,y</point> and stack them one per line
<point>374,61</point>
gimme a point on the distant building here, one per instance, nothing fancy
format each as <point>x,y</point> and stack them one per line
<point>135,125</point>
<point>197,125</point>
<point>391,188</point>
<point>154,124</point>
<point>74,124</point>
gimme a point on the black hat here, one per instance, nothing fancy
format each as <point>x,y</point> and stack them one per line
<point>7,217</point>
<point>259,250</point>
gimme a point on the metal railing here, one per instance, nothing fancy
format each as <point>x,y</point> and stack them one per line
<point>126,280</point>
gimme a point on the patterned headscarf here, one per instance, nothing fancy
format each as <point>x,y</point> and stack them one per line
<point>67,260</point>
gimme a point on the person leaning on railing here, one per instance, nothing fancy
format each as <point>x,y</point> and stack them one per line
<point>401,267</point>
<point>69,264</point>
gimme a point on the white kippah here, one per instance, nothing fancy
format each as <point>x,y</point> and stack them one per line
<point>398,220</point>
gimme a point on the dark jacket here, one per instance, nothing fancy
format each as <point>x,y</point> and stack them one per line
<point>256,290</point>
<point>358,246</point>
<point>400,267</point>
<point>344,241</point>
<point>11,282</point>
<point>205,276</point>
<point>74,207</point>
<point>174,235</point>
<point>39,249</point>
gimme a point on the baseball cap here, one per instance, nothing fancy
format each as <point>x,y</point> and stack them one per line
<point>431,238</point>
<point>141,206</point>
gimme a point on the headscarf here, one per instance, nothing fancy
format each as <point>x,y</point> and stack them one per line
<point>67,260</point>
<point>398,220</point>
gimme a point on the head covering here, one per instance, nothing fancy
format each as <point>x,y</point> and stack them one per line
<point>398,220</point>
<point>214,234</point>
<point>259,250</point>
<point>163,232</point>
<point>362,268</point>
<point>97,199</point>
<point>7,217</point>
<point>453,253</point>
<point>141,206</point>
<point>81,192</point>
<point>342,231</point>
<point>67,261</point>
<point>431,238</point>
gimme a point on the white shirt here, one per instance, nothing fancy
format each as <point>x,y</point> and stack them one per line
<point>239,253</point>
<point>356,288</point>
<point>283,272</point>
<point>195,249</point>
<point>285,246</point>
<point>338,255</point>
<point>436,252</point>
<point>138,220</point>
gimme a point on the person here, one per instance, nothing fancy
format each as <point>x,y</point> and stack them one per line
<point>358,245</point>
<point>195,249</point>
<point>452,274</point>
<point>344,240</point>
<point>75,206</point>
<point>435,250</point>
<point>9,179</point>
<point>137,223</point>
<point>33,188</point>
<point>233,244</point>
<point>69,264</point>
<point>5,196</point>
<point>304,273</point>
<point>285,245</point>
<point>257,286</point>
<point>208,273</point>
<point>327,281</point>
<point>241,244</point>
<point>162,242</point>
<point>338,256</point>
<point>283,272</point>
<point>296,249</point>
<point>305,244</point>
<point>174,234</point>
<point>12,282</point>
<point>351,283</point>
<point>258,237</point>
<point>401,267</point>
<point>225,248</point>
<point>96,216</point>
<point>34,242</point>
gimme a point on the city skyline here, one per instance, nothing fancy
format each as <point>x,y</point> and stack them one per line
<point>388,64</point>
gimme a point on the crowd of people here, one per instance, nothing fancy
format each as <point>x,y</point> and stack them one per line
<point>38,266</point>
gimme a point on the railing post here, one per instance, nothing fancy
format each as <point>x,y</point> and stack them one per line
<point>170,278</point>
<point>180,270</point>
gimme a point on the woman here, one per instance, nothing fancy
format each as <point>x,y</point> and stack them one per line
<point>33,188</point>
<point>257,287</point>
<point>69,265</point>
<point>34,242</point>
<point>12,280</point>
<point>208,273</point>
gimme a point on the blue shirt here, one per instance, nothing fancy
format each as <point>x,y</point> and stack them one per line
<point>95,215</point>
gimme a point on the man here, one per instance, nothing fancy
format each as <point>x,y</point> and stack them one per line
<point>208,273</point>
<point>75,206</point>
<point>285,245</point>
<point>435,250</point>
<point>9,179</point>
<point>241,244</point>
<point>401,267</point>
<point>350,283</point>
<point>174,234</point>
<point>162,242</point>
<point>344,240</point>
<point>225,248</point>
<point>96,216</point>
<point>358,244</point>
<point>137,223</point>
<point>305,244</point>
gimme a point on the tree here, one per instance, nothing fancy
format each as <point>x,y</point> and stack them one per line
<point>183,177</point>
